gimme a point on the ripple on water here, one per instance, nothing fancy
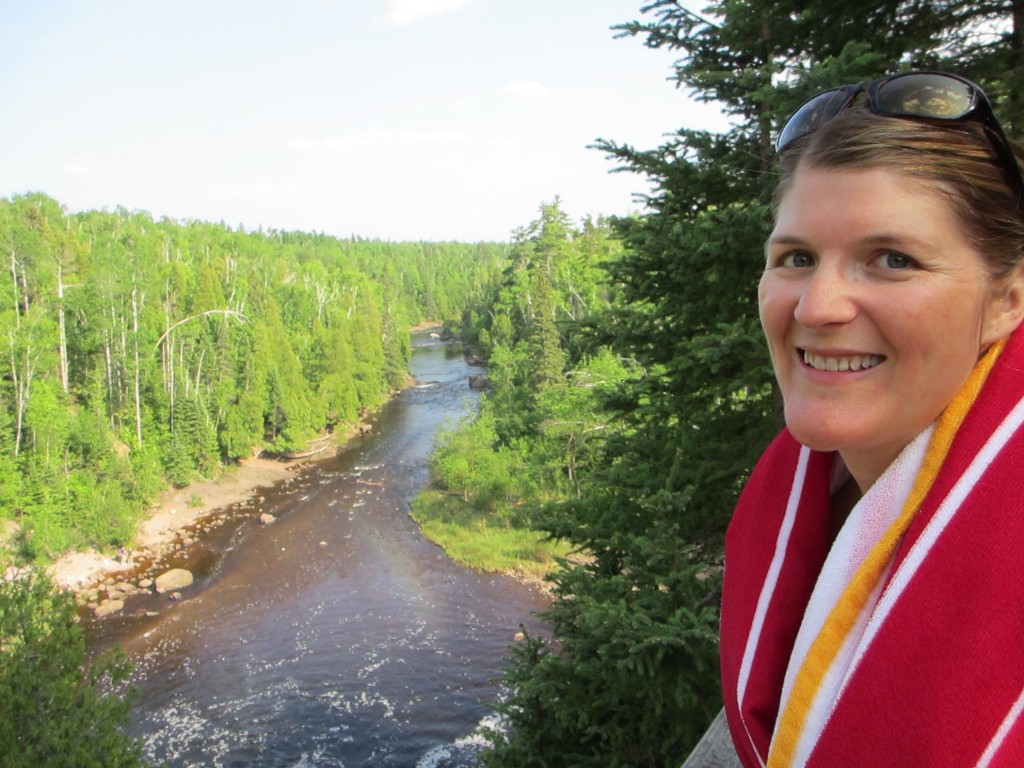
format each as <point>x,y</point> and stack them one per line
<point>463,752</point>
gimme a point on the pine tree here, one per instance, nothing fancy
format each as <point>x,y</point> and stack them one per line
<point>58,709</point>
<point>631,676</point>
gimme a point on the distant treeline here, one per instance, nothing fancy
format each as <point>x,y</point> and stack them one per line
<point>136,353</point>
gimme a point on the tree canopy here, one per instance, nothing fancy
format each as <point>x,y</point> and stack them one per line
<point>138,352</point>
<point>630,675</point>
<point>58,709</point>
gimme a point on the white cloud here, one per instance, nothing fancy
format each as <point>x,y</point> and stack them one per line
<point>379,137</point>
<point>431,137</point>
<point>261,189</point>
<point>77,169</point>
<point>327,142</point>
<point>401,13</point>
<point>531,90</point>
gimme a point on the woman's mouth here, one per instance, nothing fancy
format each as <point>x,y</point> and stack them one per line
<point>840,363</point>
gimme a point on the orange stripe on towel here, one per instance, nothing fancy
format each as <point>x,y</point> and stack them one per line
<point>841,619</point>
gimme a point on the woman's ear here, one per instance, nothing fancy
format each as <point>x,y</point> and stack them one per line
<point>1006,310</point>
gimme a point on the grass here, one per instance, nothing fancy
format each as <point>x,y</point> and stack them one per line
<point>483,541</point>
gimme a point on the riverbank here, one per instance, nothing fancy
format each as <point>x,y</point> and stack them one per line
<point>175,510</point>
<point>182,517</point>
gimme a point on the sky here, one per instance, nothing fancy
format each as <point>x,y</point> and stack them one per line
<point>388,119</point>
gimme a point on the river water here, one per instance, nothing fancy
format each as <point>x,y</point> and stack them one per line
<point>336,636</point>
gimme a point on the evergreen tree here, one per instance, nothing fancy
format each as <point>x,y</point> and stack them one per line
<point>630,678</point>
<point>57,708</point>
<point>547,360</point>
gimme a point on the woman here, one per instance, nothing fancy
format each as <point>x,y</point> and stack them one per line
<point>873,605</point>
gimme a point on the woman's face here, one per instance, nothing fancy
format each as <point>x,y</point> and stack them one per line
<point>876,309</point>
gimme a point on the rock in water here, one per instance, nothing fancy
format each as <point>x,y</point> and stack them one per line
<point>176,578</point>
<point>108,607</point>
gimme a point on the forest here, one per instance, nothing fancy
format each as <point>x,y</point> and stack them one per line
<point>140,353</point>
<point>630,389</point>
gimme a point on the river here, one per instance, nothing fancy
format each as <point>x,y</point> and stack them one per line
<point>337,635</point>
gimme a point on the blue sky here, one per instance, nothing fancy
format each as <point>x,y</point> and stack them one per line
<point>390,119</point>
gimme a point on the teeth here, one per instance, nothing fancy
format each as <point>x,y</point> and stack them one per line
<point>854,363</point>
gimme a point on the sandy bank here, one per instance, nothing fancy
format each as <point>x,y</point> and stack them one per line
<point>179,508</point>
<point>174,510</point>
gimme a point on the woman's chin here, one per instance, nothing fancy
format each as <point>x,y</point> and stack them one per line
<point>819,437</point>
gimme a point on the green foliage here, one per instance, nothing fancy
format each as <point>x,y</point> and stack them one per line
<point>540,419</point>
<point>611,694</point>
<point>10,477</point>
<point>630,676</point>
<point>140,353</point>
<point>57,708</point>
<point>469,463</point>
<point>483,540</point>
<point>540,423</point>
<point>243,426</point>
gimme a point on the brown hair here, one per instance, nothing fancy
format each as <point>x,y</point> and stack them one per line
<point>954,159</point>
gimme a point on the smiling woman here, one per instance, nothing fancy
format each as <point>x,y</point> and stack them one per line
<point>882,529</point>
<point>876,309</point>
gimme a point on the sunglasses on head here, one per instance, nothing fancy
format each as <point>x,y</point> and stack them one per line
<point>928,96</point>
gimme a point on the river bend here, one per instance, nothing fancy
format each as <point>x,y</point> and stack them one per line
<point>336,636</point>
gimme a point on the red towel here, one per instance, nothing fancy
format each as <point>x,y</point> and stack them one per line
<point>915,656</point>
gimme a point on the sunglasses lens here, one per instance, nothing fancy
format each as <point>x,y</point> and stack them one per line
<point>812,115</point>
<point>925,95</point>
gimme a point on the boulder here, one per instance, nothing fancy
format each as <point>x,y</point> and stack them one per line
<point>108,607</point>
<point>174,579</point>
<point>479,382</point>
<point>266,519</point>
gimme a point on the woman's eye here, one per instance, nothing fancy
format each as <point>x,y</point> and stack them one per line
<point>798,260</point>
<point>893,260</point>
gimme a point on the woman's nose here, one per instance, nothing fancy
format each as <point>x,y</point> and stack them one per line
<point>827,297</point>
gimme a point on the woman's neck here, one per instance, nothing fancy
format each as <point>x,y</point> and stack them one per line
<point>842,503</point>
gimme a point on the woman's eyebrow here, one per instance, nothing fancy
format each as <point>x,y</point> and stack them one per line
<point>881,238</point>
<point>884,238</point>
<point>783,240</point>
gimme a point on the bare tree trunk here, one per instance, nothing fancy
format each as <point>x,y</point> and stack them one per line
<point>199,370</point>
<point>21,371</point>
<point>63,329</point>
<point>19,397</point>
<point>109,362</point>
<point>137,384</point>
<point>115,366</point>
<point>183,367</point>
<point>14,278</point>
<point>24,292</point>
<point>167,353</point>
